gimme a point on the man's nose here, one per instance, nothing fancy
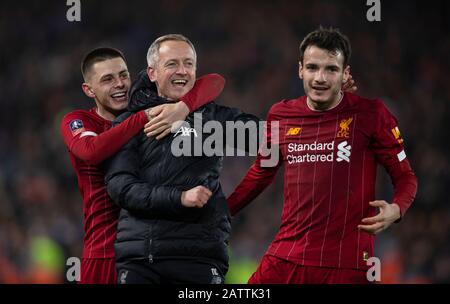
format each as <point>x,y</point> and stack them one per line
<point>319,76</point>
<point>181,69</point>
<point>120,83</point>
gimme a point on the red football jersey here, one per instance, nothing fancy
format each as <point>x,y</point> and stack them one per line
<point>90,140</point>
<point>330,160</point>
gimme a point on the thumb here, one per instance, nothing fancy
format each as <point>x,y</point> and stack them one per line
<point>377,203</point>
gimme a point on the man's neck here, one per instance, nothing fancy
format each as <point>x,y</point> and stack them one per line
<point>105,114</point>
<point>165,97</point>
<point>317,106</point>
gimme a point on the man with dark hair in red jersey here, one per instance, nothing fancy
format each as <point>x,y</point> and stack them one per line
<point>330,143</point>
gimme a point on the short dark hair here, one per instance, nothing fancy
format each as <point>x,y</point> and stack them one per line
<point>98,55</point>
<point>330,39</point>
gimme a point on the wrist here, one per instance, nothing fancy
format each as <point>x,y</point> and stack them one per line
<point>182,105</point>
<point>397,211</point>
<point>183,197</point>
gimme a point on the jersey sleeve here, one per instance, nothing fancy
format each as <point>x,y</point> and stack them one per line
<point>388,147</point>
<point>93,146</point>
<point>206,89</point>
<point>261,173</point>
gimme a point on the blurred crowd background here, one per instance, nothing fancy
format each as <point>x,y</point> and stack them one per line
<point>404,59</point>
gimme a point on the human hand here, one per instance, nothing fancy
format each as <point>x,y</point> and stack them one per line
<point>388,214</point>
<point>349,85</point>
<point>195,197</point>
<point>163,117</point>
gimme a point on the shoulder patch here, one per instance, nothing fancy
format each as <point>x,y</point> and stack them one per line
<point>76,127</point>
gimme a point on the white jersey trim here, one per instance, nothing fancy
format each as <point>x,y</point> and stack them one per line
<point>88,133</point>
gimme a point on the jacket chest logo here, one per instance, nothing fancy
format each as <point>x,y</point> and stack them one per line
<point>186,131</point>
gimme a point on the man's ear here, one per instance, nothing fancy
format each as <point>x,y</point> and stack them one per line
<point>151,73</point>
<point>87,90</point>
<point>346,74</point>
<point>300,70</point>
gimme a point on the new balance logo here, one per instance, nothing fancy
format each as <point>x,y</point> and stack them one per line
<point>186,131</point>
<point>343,152</point>
<point>293,131</point>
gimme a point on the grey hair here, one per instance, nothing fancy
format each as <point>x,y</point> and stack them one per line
<point>153,50</point>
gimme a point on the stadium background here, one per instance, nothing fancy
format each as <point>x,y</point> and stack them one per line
<point>254,44</point>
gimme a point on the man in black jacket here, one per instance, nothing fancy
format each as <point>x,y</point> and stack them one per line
<point>174,224</point>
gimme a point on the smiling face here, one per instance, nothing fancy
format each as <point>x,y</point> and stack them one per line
<point>323,73</point>
<point>108,82</point>
<point>174,72</point>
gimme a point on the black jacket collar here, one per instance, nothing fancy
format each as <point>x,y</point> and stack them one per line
<point>144,94</point>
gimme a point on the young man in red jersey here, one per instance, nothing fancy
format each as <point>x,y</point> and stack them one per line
<point>90,140</point>
<point>330,143</point>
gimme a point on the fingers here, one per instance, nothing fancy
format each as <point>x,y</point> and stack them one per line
<point>155,119</point>
<point>196,197</point>
<point>204,192</point>
<point>161,129</point>
<point>163,134</point>
<point>350,82</point>
<point>169,129</point>
<point>203,195</point>
<point>380,217</point>
<point>372,220</point>
<point>155,129</point>
<point>158,129</point>
<point>349,85</point>
<point>372,229</point>
<point>378,204</point>
<point>377,223</point>
<point>147,129</point>
<point>155,111</point>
